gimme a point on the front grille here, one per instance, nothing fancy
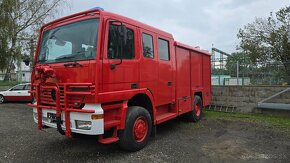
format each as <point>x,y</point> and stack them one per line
<point>47,98</point>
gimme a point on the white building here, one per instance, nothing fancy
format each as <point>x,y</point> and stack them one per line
<point>23,73</point>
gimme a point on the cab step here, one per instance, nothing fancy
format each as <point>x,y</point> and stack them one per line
<point>111,123</point>
<point>108,140</point>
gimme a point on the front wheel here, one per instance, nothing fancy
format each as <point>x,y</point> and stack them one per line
<point>137,130</point>
<point>1,99</point>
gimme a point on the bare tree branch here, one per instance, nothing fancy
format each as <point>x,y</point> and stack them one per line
<point>22,18</point>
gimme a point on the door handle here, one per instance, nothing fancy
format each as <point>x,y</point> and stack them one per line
<point>112,66</point>
<point>169,83</point>
<point>134,85</point>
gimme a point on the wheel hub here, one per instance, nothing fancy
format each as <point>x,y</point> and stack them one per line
<point>1,99</point>
<point>197,109</point>
<point>140,129</point>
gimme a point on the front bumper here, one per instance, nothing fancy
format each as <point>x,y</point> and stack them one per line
<point>97,125</point>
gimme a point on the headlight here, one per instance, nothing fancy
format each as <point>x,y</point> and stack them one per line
<point>83,125</point>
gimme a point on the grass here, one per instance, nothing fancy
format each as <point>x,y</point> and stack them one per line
<point>281,122</point>
<point>8,83</point>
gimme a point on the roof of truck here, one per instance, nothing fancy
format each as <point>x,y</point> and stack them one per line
<point>155,30</point>
<point>191,48</point>
<point>132,22</point>
<point>138,24</point>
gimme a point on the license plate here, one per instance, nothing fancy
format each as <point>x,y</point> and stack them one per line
<point>51,116</point>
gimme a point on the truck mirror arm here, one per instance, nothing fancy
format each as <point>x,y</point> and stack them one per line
<point>122,34</point>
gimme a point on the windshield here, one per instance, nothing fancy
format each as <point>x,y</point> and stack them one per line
<point>73,42</point>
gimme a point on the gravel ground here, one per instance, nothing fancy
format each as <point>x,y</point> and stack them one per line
<point>211,140</point>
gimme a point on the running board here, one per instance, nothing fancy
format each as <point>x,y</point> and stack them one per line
<point>107,140</point>
<point>165,117</point>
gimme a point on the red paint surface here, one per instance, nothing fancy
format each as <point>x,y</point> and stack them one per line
<point>140,129</point>
<point>18,98</point>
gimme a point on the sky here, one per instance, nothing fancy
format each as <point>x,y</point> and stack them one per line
<point>203,23</point>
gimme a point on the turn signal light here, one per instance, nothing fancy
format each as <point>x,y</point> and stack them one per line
<point>97,116</point>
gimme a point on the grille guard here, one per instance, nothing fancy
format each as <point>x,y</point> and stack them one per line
<point>35,91</point>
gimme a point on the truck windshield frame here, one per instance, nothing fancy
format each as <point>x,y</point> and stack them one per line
<point>75,41</point>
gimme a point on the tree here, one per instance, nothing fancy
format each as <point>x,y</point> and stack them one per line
<point>267,40</point>
<point>20,20</point>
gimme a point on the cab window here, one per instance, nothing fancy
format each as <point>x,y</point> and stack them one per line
<point>163,49</point>
<point>147,42</point>
<point>115,43</point>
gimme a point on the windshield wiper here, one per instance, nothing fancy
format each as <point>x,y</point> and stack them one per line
<point>70,56</point>
<point>65,57</point>
<point>74,64</point>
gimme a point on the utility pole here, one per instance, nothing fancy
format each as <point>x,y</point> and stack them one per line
<point>238,73</point>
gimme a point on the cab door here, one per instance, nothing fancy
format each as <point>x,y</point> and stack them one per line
<point>165,72</point>
<point>120,69</point>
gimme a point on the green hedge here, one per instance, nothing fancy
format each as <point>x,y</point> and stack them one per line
<point>9,83</point>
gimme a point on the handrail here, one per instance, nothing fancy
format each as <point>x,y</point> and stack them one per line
<point>70,109</point>
<point>271,105</point>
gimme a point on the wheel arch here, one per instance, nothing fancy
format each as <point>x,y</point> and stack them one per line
<point>144,100</point>
<point>198,94</point>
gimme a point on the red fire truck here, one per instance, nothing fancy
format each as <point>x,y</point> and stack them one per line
<point>99,73</point>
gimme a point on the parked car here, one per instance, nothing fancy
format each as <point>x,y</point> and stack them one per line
<point>16,93</point>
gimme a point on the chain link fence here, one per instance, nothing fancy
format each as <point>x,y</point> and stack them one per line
<point>228,72</point>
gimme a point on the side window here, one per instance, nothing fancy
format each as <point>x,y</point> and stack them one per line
<point>17,88</point>
<point>163,49</point>
<point>114,43</point>
<point>147,42</point>
<point>27,87</point>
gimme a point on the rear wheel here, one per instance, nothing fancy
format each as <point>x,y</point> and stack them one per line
<point>196,114</point>
<point>137,130</point>
<point>1,99</point>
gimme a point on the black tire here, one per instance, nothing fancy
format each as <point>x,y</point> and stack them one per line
<point>132,140</point>
<point>2,99</point>
<point>196,114</point>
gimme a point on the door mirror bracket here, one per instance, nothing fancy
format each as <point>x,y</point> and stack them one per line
<point>122,36</point>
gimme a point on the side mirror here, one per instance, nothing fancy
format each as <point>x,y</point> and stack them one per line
<point>123,34</point>
<point>122,31</point>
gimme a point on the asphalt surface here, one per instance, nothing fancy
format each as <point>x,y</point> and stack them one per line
<point>211,140</point>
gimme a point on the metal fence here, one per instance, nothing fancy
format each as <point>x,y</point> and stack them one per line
<point>244,72</point>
